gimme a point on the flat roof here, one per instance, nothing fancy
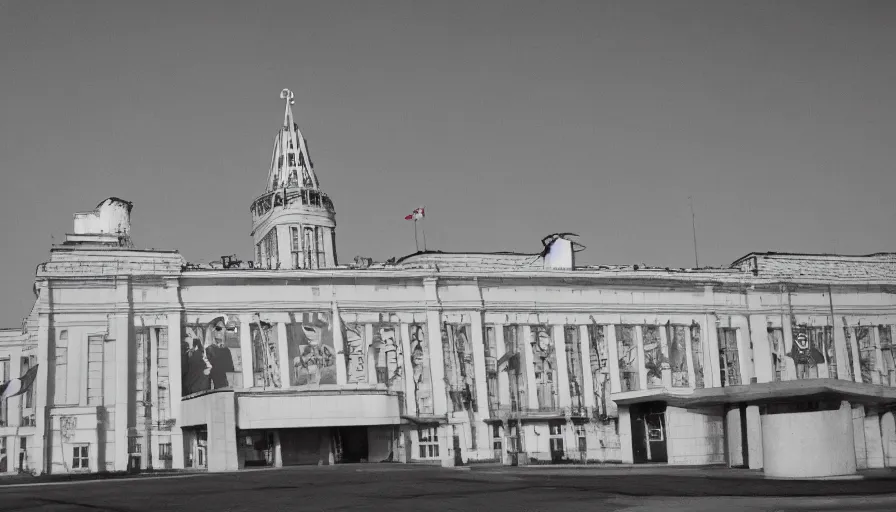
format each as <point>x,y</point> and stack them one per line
<point>766,393</point>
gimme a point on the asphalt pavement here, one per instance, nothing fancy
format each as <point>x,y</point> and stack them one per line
<point>399,488</point>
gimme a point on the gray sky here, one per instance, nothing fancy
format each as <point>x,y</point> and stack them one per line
<point>507,120</point>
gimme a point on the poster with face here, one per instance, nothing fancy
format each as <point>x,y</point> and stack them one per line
<point>210,354</point>
<point>311,352</point>
<point>265,353</point>
<point>353,336</point>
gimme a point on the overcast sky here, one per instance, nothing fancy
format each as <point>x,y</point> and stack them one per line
<point>507,120</point>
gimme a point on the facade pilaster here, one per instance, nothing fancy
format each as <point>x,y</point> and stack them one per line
<point>587,377</point>
<point>339,347</point>
<point>175,387</point>
<point>246,352</point>
<point>285,363</point>
<point>559,337</point>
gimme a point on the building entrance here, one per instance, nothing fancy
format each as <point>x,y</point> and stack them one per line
<point>351,444</point>
<point>649,432</point>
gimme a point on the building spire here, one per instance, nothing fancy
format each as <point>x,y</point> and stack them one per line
<point>291,165</point>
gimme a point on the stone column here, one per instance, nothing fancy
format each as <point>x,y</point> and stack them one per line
<point>284,246</point>
<point>754,437</point>
<point>339,347</point>
<point>122,326</point>
<point>410,396</point>
<point>330,247</point>
<point>559,337</point>
<point>642,372</point>
<point>613,359</point>
<point>873,441</point>
<point>734,437</point>
<point>369,358</point>
<point>688,347</point>
<point>175,387</point>
<point>712,376</point>
<point>152,450</point>
<point>503,376</point>
<point>742,333</point>
<point>856,362</point>
<point>841,349</point>
<point>247,354</point>
<point>789,365</point>
<point>762,353</point>
<point>479,366</point>
<point>436,363</point>
<point>531,384</point>
<point>42,388</point>
<point>587,377</point>
<point>625,436</point>
<point>285,363</point>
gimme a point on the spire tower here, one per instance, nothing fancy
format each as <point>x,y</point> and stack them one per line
<point>293,221</point>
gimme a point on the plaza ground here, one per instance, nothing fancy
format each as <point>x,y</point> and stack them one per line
<point>399,488</point>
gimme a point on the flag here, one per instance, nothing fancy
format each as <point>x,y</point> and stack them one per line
<point>18,386</point>
<point>417,215</point>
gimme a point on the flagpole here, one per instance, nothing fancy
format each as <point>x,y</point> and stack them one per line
<point>423,227</point>
<point>694,228</point>
<point>416,243</point>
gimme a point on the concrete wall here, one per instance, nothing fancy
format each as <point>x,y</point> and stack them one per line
<point>259,411</point>
<point>695,437</point>
<point>809,444</point>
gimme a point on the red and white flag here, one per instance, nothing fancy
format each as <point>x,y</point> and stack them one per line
<point>417,215</point>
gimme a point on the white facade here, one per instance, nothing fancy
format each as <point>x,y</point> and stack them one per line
<point>146,361</point>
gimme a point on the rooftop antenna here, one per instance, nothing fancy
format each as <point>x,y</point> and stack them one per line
<point>694,228</point>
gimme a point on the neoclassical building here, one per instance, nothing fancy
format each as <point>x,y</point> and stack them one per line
<point>780,361</point>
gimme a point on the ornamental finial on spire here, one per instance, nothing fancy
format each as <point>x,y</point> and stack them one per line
<point>288,95</point>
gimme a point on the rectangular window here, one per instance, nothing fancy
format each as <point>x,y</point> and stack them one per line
<point>295,246</point>
<point>555,429</point>
<point>729,358</point>
<point>165,451</point>
<point>582,440</point>
<point>428,440</point>
<point>497,438</point>
<point>80,457</point>
<point>61,369</point>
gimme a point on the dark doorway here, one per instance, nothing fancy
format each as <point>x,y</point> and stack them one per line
<point>649,432</point>
<point>354,444</point>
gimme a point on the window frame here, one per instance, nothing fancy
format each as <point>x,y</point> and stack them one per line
<point>80,462</point>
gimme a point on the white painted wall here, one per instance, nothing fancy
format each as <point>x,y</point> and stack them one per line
<point>809,444</point>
